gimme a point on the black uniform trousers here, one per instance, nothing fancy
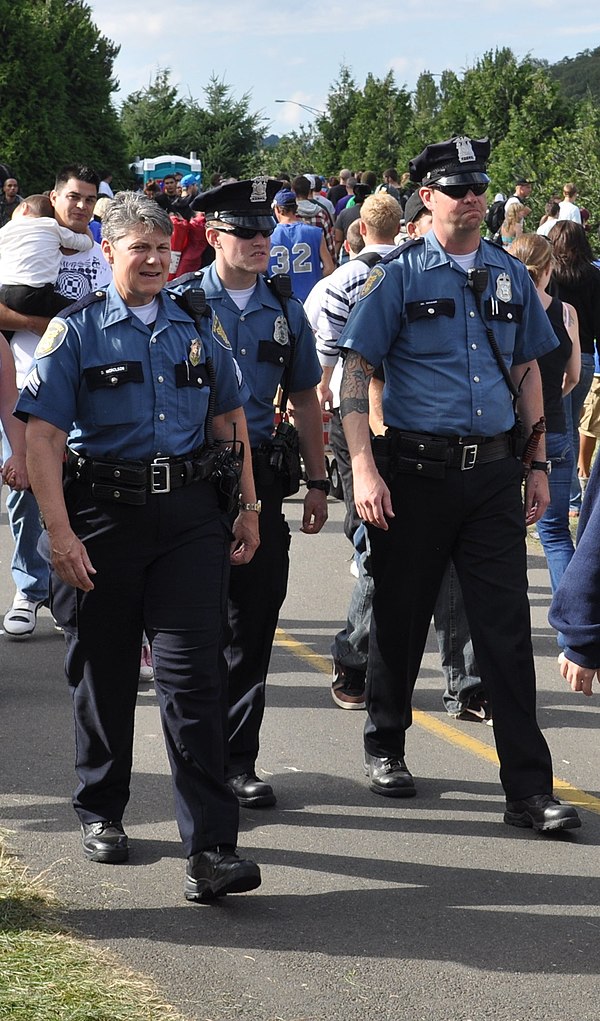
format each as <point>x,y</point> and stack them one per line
<point>339,446</point>
<point>476,518</point>
<point>256,593</point>
<point>163,568</point>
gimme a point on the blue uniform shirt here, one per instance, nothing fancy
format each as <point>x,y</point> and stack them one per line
<point>259,337</point>
<point>296,250</point>
<point>123,390</point>
<point>418,318</point>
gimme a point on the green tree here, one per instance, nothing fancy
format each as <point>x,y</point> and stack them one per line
<point>293,154</point>
<point>153,120</point>
<point>55,48</point>
<point>333,127</point>
<point>378,124</point>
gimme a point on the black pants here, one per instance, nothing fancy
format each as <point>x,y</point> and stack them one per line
<point>339,446</point>
<point>256,593</point>
<point>33,301</point>
<point>475,517</point>
<point>162,568</point>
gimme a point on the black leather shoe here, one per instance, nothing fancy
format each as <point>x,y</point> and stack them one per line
<point>215,873</point>
<point>252,792</point>
<point>541,812</point>
<point>105,842</point>
<point>389,776</point>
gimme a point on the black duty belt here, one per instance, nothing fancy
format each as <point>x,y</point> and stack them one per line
<point>430,454</point>
<point>131,481</point>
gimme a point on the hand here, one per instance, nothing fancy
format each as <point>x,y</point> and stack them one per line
<point>246,538</point>
<point>14,472</point>
<point>315,511</point>
<point>71,562</point>
<point>373,500</point>
<point>537,496</point>
<point>325,395</point>
<point>579,677</point>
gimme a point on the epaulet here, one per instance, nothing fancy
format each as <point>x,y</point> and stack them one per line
<point>88,299</point>
<point>501,248</point>
<point>397,252</point>
<point>195,277</point>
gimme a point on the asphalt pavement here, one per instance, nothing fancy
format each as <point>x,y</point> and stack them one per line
<point>429,909</point>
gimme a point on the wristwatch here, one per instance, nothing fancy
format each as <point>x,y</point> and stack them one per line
<point>541,466</point>
<point>251,506</point>
<point>323,484</point>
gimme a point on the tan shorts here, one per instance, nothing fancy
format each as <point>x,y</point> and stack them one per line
<point>589,423</point>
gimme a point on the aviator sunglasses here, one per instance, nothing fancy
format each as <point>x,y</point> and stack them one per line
<point>458,191</point>
<point>247,233</point>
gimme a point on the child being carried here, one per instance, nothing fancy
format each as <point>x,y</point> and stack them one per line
<point>30,254</point>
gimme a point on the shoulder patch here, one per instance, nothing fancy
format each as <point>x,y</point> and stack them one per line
<point>88,299</point>
<point>56,331</point>
<point>372,282</point>
<point>218,332</point>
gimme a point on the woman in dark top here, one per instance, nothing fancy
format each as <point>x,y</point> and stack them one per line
<point>576,281</point>
<point>560,370</point>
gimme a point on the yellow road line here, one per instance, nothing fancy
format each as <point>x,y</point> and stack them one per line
<point>445,731</point>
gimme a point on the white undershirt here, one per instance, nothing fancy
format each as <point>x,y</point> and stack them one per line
<point>467,261</point>
<point>241,298</point>
<point>147,313</point>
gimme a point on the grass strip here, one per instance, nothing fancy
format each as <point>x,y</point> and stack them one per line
<point>46,974</point>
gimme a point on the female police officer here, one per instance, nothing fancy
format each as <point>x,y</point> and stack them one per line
<point>137,538</point>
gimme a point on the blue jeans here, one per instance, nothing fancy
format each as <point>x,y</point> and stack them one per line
<point>454,640</point>
<point>573,405</point>
<point>553,527</point>
<point>29,569</point>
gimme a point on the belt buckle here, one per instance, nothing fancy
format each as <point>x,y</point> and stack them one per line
<point>469,457</point>
<point>160,475</point>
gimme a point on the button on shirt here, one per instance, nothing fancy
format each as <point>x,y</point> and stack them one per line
<point>418,318</point>
<point>121,389</point>
<point>260,342</point>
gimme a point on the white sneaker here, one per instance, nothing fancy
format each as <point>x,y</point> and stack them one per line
<point>21,618</point>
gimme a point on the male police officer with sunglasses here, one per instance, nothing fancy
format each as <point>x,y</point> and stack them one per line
<point>274,345</point>
<point>444,482</point>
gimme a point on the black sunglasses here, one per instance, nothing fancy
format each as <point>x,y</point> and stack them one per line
<point>458,191</point>
<point>247,233</point>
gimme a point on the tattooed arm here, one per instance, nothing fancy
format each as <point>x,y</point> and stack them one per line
<point>371,495</point>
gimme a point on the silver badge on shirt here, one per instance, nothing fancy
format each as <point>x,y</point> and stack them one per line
<point>503,287</point>
<point>195,352</point>
<point>280,331</point>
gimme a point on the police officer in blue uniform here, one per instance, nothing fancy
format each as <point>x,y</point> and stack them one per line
<point>274,345</point>
<point>444,482</point>
<point>138,539</point>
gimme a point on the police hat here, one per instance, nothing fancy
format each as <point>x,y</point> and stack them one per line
<point>241,203</point>
<point>458,160</point>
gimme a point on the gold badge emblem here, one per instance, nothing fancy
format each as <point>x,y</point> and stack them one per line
<point>56,331</point>
<point>503,287</point>
<point>280,331</point>
<point>218,332</point>
<point>373,280</point>
<point>195,352</point>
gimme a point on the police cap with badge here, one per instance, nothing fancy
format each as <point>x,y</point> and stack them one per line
<point>246,204</point>
<point>457,161</point>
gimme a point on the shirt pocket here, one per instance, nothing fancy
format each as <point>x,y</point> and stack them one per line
<point>272,361</point>
<point>116,392</point>
<point>430,326</point>
<point>503,317</point>
<point>193,389</point>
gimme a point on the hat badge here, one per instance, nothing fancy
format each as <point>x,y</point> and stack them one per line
<point>464,149</point>
<point>259,189</point>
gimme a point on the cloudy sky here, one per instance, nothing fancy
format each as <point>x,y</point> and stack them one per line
<point>260,48</point>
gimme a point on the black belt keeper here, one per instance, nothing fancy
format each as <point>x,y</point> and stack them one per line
<point>131,481</point>
<point>429,455</point>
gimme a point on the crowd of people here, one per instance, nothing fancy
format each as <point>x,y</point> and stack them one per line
<point>175,352</point>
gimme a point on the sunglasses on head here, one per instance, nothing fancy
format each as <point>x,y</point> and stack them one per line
<point>458,191</point>
<point>247,233</point>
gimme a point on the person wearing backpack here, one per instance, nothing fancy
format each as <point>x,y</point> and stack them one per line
<point>494,217</point>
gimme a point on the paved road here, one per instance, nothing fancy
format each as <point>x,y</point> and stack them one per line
<point>426,910</point>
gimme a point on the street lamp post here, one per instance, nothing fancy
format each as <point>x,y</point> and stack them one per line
<point>311,109</point>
